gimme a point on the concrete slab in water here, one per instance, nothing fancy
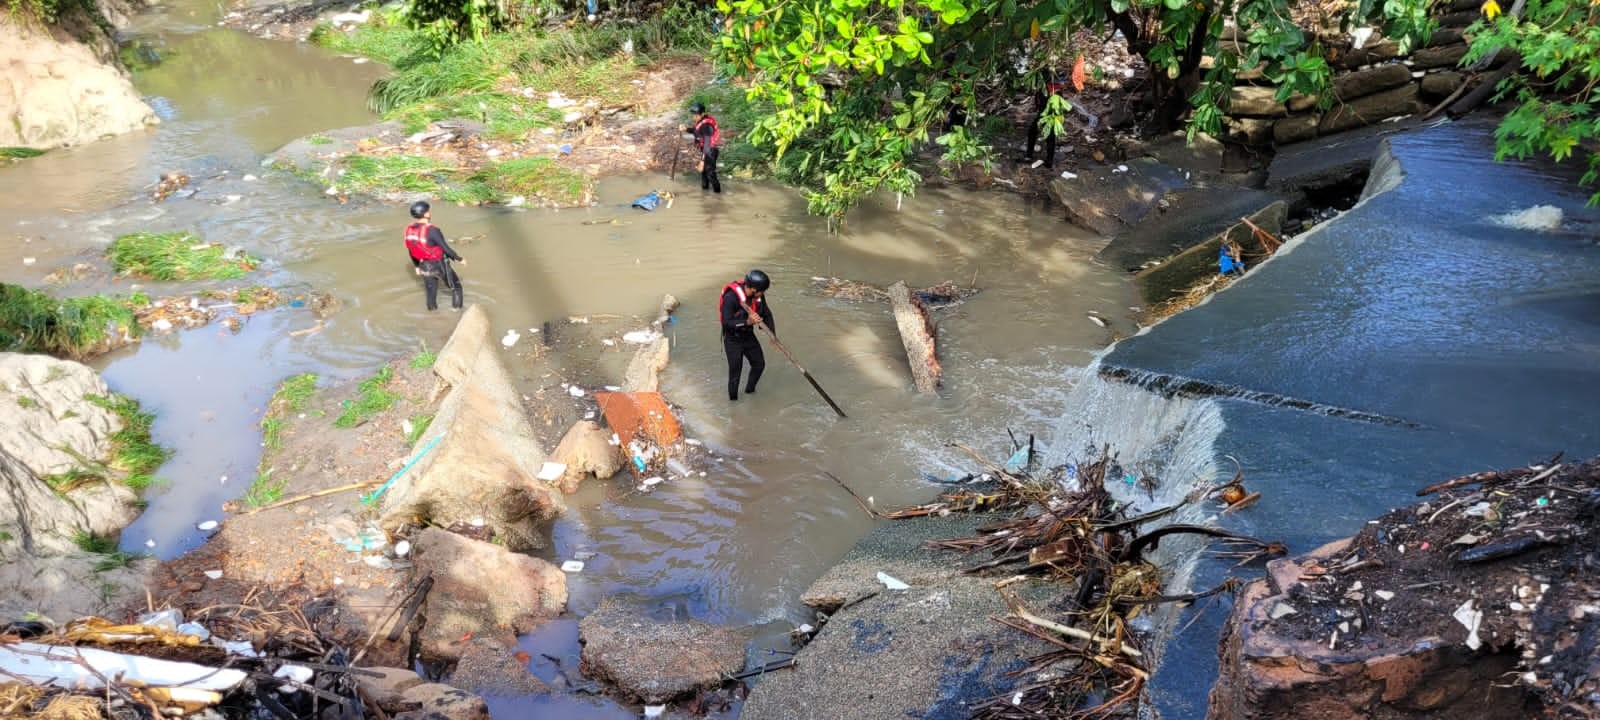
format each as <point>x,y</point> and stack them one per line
<point>1191,216</point>
<point>1328,161</point>
<point>927,652</point>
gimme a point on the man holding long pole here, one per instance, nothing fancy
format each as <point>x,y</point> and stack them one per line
<point>744,308</point>
<point>739,340</point>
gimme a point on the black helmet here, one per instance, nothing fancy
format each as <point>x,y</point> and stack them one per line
<point>418,209</point>
<point>698,108</point>
<point>757,280</point>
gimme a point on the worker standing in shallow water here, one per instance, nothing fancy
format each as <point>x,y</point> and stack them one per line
<point>431,256</point>
<point>707,139</point>
<point>739,340</point>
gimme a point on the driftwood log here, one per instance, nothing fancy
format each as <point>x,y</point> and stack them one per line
<point>916,333</point>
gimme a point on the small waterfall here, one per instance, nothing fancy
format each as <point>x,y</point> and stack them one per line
<point>1152,435</point>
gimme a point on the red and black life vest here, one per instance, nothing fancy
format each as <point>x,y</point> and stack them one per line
<point>737,287</point>
<point>417,243</point>
<point>716,133</point>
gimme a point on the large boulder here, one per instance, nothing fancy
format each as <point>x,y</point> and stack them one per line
<point>586,450</point>
<point>55,90</point>
<point>49,424</point>
<point>482,589</point>
<point>50,428</point>
<point>478,462</point>
<point>655,660</point>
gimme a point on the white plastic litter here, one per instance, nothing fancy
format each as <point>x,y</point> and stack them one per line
<point>214,574</point>
<point>891,583</point>
<point>1068,175</point>
<point>511,338</point>
<point>162,324</point>
<point>551,470</point>
<point>402,548</point>
<point>650,711</point>
<point>293,673</point>
<point>1470,619</point>
<point>207,525</point>
<point>572,566</point>
<point>195,629</point>
<point>150,543</point>
<point>692,441</point>
<point>575,391</point>
<point>640,336</point>
<point>86,667</point>
<point>1096,319</point>
<point>651,482</point>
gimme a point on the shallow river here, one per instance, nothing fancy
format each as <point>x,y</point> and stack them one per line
<point>1483,340</point>
<point>737,547</point>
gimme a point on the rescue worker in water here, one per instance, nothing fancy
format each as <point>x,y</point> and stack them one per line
<point>707,139</point>
<point>739,299</point>
<point>431,256</point>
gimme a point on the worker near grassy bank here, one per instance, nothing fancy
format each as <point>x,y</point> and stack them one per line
<point>431,256</point>
<point>743,306</point>
<point>707,139</point>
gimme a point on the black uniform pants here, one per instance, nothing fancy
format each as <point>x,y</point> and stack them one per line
<point>739,349</point>
<point>708,171</point>
<point>432,272</point>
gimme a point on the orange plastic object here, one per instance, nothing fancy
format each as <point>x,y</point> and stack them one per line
<point>640,413</point>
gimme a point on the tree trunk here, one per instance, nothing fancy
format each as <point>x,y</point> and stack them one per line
<point>916,333</point>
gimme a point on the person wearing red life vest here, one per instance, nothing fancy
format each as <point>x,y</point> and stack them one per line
<point>739,340</point>
<point>431,256</point>
<point>707,139</point>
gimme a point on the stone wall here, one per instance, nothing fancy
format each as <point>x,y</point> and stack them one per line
<point>1372,81</point>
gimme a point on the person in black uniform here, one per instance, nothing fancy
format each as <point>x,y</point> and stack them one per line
<point>707,139</point>
<point>739,340</point>
<point>431,256</point>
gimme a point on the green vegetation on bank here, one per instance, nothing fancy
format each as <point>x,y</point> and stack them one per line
<point>290,398</point>
<point>34,321</point>
<point>1558,42</point>
<point>503,80</point>
<point>264,490</point>
<point>372,397</point>
<point>425,358</point>
<point>176,256</point>
<point>133,451</point>
<point>10,155</point>
<point>419,425</point>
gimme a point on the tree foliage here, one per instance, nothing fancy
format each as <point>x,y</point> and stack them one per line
<point>858,87</point>
<point>1558,42</point>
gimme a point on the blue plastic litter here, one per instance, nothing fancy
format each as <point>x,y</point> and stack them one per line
<point>297,303</point>
<point>1130,479</point>
<point>368,499</point>
<point>565,149</point>
<point>1018,461</point>
<point>1225,262</point>
<point>638,462</point>
<point>649,202</point>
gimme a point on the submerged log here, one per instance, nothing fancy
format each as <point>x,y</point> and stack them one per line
<point>917,334</point>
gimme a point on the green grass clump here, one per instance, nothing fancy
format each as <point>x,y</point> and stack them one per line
<point>294,392</point>
<point>27,402</point>
<point>19,153</point>
<point>371,398</point>
<point>176,256</point>
<point>419,425</point>
<point>393,173</point>
<point>319,140</point>
<point>72,479</point>
<point>536,178</point>
<point>132,450</point>
<point>37,322</point>
<point>424,358</point>
<point>264,490</point>
<point>106,547</point>
<point>291,397</point>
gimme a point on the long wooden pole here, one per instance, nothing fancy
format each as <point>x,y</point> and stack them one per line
<point>756,317</point>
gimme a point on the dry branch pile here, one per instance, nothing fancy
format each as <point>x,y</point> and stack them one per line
<point>1063,524</point>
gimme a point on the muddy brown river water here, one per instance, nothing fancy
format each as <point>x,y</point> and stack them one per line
<point>737,546</point>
